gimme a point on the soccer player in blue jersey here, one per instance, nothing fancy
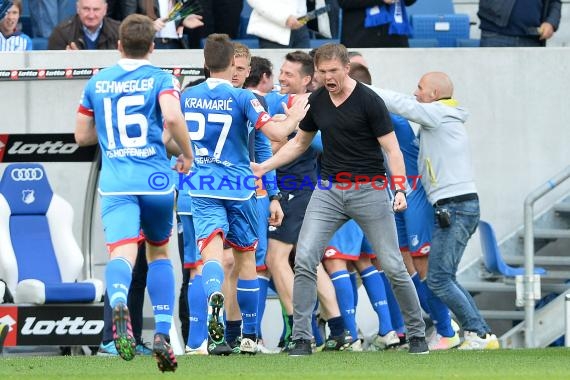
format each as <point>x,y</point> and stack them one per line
<point>222,183</point>
<point>124,108</point>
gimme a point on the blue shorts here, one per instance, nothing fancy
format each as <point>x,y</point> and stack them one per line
<point>263,224</point>
<point>125,215</point>
<point>192,258</point>
<point>415,225</point>
<point>235,220</point>
<point>348,243</point>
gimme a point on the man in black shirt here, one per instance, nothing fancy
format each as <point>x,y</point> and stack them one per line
<point>354,125</point>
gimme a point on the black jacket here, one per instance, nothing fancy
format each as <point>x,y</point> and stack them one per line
<point>70,30</point>
<point>499,12</point>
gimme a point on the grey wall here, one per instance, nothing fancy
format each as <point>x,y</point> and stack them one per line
<point>518,126</point>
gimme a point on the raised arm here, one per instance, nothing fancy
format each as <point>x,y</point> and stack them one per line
<point>278,129</point>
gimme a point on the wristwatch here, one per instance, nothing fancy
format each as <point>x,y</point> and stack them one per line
<point>276,197</point>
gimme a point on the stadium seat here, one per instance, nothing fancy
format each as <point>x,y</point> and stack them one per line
<point>252,43</point>
<point>26,25</point>
<point>40,261</point>
<point>437,7</point>
<point>469,42</point>
<point>445,28</point>
<point>423,43</point>
<point>40,43</point>
<point>492,255</point>
<point>317,42</point>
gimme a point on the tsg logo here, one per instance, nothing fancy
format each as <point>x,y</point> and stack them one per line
<point>27,174</point>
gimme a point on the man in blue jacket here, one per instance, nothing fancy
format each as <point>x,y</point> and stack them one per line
<point>518,23</point>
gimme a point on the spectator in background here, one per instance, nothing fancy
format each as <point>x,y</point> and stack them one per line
<point>518,23</point>
<point>220,16</point>
<point>89,29</point>
<point>46,14</point>
<point>10,38</point>
<point>356,57</point>
<point>375,23</point>
<point>276,24</point>
<point>119,9</point>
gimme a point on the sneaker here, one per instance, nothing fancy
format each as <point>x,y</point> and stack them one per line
<point>162,352</point>
<point>355,346</point>
<point>473,341</point>
<point>201,350</point>
<point>248,346</point>
<point>219,348</point>
<point>418,345</point>
<point>235,345</point>
<point>383,342</point>
<point>266,350</point>
<point>143,349</point>
<point>439,342</point>
<point>4,330</point>
<point>123,332</point>
<point>216,328</point>
<point>300,347</point>
<point>108,349</point>
<point>338,343</point>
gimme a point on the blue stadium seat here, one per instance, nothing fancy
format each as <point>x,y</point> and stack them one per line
<point>26,25</point>
<point>445,28</point>
<point>423,43</point>
<point>438,7</point>
<point>252,43</point>
<point>492,255</point>
<point>40,43</point>
<point>40,260</point>
<point>317,42</point>
<point>469,42</point>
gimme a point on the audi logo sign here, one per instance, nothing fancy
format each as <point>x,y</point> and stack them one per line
<point>27,174</point>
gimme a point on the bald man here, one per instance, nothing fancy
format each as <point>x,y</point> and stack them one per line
<point>444,163</point>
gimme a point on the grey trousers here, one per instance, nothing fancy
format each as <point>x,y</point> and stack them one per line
<point>326,212</point>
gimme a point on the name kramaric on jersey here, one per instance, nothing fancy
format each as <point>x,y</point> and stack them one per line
<point>120,87</point>
<point>211,104</point>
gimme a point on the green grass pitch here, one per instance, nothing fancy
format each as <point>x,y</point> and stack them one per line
<point>542,364</point>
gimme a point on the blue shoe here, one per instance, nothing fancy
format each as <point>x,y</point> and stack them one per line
<point>108,349</point>
<point>143,349</point>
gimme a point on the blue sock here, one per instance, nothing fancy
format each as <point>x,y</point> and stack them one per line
<point>395,313</point>
<point>198,330</point>
<point>212,277</point>
<point>421,289</point>
<point>118,275</point>
<point>353,281</point>
<point>439,314</point>
<point>248,301</point>
<point>160,286</point>
<point>263,286</point>
<point>319,341</point>
<point>376,291</point>
<point>345,299</point>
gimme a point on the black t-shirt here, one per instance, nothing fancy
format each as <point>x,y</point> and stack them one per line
<point>349,132</point>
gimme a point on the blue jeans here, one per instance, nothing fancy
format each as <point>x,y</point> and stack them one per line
<point>47,14</point>
<point>447,247</point>
<point>327,211</point>
<point>492,39</point>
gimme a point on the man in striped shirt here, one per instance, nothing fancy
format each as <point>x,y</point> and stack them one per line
<point>10,38</point>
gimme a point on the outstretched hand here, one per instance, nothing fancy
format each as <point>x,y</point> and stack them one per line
<point>299,108</point>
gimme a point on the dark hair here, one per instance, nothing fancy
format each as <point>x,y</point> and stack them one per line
<point>218,52</point>
<point>136,34</point>
<point>259,66</point>
<point>360,73</point>
<point>332,51</point>
<point>307,65</point>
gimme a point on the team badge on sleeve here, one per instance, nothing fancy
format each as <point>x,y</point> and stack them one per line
<point>257,105</point>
